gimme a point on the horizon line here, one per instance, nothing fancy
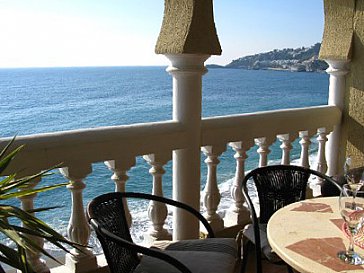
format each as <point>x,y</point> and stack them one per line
<point>91,66</point>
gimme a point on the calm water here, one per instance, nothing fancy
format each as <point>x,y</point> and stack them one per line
<point>54,99</point>
<point>47,100</point>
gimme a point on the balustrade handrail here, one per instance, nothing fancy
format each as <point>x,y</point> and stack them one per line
<point>108,143</point>
<point>95,144</point>
<point>269,123</point>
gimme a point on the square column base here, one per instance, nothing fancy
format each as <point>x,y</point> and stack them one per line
<point>233,218</point>
<point>150,239</point>
<point>80,264</point>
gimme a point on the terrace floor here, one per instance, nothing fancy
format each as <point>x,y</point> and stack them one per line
<point>267,267</point>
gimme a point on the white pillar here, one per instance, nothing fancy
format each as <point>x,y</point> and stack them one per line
<point>120,167</point>
<point>78,228</point>
<point>337,71</point>
<point>211,192</point>
<point>187,71</point>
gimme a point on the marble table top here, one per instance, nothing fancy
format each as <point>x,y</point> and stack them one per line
<point>308,234</point>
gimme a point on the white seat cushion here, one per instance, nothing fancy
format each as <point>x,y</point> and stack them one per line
<point>195,261</point>
<point>221,245</point>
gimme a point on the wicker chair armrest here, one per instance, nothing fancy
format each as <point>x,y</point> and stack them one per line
<point>139,249</point>
<point>248,200</point>
<point>253,214</point>
<point>172,203</point>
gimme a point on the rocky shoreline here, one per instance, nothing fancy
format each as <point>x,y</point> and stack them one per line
<point>304,59</point>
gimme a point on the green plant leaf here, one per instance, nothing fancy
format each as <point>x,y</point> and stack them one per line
<point>4,162</point>
<point>23,257</point>
<point>23,236</point>
<point>24,231</point>
<point>34,247</point>
<point>23,193</point>
<point>3,151</point>
<point>25,181</point>
<point>33,223</point>
<point>7,230</point>
<point>10,255</point>
<point>43,209</point>
<point>6,181</point>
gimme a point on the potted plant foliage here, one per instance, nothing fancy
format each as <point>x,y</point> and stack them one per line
<point>13,187</point>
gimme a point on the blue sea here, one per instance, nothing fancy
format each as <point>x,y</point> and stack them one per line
<point>38,100</point>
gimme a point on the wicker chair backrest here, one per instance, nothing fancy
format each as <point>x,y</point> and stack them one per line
<point>278,186</point>
<point>108,211</point>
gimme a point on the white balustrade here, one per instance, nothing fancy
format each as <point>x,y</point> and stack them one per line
<point>120,167</point>
<point>238,214</point>
<point>80,260</point>
<point>118,144</point>
<point>157,211</point>
<point>305,146</point>
<point>34,258</point>
<point>211,194</point>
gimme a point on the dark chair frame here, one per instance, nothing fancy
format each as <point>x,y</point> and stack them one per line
<point>103,234</point>
<point>254,218</point>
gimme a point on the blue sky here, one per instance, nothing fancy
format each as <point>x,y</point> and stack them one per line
<point>124,32</point>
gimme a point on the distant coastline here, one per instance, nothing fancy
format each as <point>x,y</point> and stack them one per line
<point>303,59</point>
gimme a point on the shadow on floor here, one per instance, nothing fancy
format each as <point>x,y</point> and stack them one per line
<point>267,267</point>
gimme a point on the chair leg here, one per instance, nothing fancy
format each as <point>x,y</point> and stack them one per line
<point>258,263</point>
<point>246,249</point>
<point>258,258</point>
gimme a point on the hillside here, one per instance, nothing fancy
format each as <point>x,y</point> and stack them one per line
<point>299,59</point>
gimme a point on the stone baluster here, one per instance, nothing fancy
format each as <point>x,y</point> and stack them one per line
<point>263,150</point>
<point>120,167</point>
<point>211,194</point>
<point>321,166</point>
<point>34,258</point>
<point>286,147</point>
<point>305,145</point>
<point>321,159</point>
<point>238,214</point>
<point>78,229</point>
<point>157,211</point>
<point>304,159</point>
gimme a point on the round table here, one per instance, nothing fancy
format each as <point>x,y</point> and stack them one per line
<point>307,235</point>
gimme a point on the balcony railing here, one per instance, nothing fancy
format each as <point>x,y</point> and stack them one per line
<point>180,140</point>
<point>118,146</point>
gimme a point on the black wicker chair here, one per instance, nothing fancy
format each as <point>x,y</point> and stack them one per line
<point>106,216</point>
<point>276,186</point>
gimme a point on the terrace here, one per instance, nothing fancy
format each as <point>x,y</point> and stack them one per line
<point>337,127</point>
